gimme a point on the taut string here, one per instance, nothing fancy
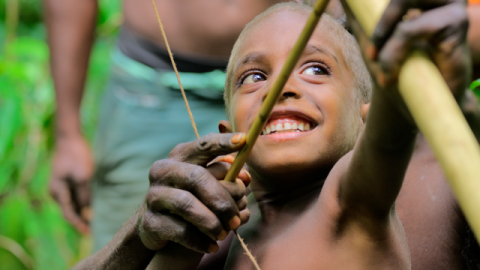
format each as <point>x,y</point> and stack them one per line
<point>175,69</point>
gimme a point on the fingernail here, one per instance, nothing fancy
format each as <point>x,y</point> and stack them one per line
<point>247,175</point>
<point>212,248</point>
<point>222,235</point>
<point>234,223</point>
<point>371,52</point>
<point>237,138</point>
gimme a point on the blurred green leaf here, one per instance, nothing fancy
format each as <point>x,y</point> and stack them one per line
<point>475,86</point>
<point>28,215</point>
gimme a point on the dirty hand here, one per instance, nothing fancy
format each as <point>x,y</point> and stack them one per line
<point>438,27</point>
<point>70,181</point>
<point>188,202</point>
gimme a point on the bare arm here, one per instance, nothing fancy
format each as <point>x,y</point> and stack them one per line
<point>381,156</point>
<point>124,251</point>
<point>186,211</point>
<point>70,26</point>
<point>380,159</point>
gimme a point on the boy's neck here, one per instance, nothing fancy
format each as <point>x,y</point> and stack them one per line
<point>273,203</point>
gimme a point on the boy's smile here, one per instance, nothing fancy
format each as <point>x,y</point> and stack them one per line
<point>285,124</point>
<point>317,117</point>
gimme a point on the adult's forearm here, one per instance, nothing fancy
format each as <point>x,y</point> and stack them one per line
<point>124,251</point>
<point>70,28</point>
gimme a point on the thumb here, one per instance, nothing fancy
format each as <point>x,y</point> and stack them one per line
<point>205,149</point>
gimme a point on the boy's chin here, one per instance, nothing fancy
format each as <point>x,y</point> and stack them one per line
<point>288,166</point>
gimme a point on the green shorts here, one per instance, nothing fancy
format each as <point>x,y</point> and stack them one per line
<point>143,116</point>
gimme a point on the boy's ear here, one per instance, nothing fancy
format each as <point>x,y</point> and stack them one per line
<point>224,127</point>
<point>364,111</point>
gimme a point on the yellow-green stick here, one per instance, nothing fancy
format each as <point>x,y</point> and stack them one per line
<point>438,117</point>
<point>276,90</point>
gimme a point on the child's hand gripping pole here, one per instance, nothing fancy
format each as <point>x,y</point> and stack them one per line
<point>437,115</point>
<point>276,90</point>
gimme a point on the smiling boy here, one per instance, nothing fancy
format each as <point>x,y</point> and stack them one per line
<point>313,197</point>
<point>323,191</point>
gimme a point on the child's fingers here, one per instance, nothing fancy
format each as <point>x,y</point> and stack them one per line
<point>220,166</point>
<point>219,169</point>
<point>235,189</point>
<point>244,216</point>
<point>242,203</point>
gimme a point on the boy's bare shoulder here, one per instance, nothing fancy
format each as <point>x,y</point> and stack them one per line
<point>343,216</point>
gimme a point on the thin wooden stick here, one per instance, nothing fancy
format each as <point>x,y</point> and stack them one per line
<point>276,90</point>
<point>438,117</point>
<point>175,69</point>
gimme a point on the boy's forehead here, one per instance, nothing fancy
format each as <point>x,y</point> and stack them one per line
<point>283,29</point>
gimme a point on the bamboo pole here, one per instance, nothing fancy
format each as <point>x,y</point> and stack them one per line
<point>276,90</point>
<point>437,115</point>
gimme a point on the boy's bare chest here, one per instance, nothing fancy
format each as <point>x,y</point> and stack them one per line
<point>308,242</point>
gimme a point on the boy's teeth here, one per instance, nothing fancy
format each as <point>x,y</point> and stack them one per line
<point>286,127</point>
<point>279,127</point>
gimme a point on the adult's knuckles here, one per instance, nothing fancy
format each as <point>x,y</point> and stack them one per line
<point>198,178</point>
<point>188,236</point>
<point>216,144</point>
<point>149,223</point>
<point>160,169</point>
<point>208,143</point>
<point>179,150</point>
<point>183,202</point>
<point>212,225</point>
<point>224,208</point>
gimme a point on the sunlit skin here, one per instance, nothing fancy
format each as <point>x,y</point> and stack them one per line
<point>319,92</point>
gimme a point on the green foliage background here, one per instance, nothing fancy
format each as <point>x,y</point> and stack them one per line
<point>33,233</point>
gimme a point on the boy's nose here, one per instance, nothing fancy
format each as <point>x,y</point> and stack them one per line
<point>289,91</point>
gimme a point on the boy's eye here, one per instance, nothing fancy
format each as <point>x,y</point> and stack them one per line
<point>253,78</point>
<point>315,70</point>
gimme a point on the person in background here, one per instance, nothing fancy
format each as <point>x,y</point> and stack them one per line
<point>142,113</point>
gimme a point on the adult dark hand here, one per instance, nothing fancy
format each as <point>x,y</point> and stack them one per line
<point>188,202</point>
<point>70,182</point>
<point>437,26</point>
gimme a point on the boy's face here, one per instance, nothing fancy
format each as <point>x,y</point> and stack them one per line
<point>318,97</point>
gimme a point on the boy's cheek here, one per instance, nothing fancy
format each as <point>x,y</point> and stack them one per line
<point>244,111</point>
